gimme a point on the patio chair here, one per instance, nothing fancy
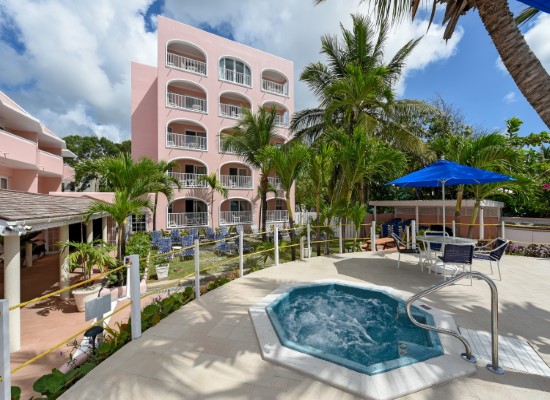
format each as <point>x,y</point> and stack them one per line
<point>186,241</point>
<point>436,246</point>
<point>239,229</point>
<point>224,232</point>
<point>165,246</point>
<point>492,251</point>
<point>155,237</point>
<point>402,248</point>
<point>175,235</point>
<point>455,254</point>
<point>222,248</point>
<point>194,232</point>
<point>210,233</point>
<point>246,246</point>
<point>254,229</point>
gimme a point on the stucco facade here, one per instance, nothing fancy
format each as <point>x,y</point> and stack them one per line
<point>182,109</point>
<point>31,156</point>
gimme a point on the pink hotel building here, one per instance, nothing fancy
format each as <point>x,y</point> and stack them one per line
<point>182,109</point>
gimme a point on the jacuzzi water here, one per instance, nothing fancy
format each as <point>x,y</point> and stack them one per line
<point>365,330</point>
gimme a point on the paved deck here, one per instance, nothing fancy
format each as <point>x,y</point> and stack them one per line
<point>208,349</point>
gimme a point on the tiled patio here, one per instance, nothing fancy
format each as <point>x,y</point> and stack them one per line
<point>208,349</point>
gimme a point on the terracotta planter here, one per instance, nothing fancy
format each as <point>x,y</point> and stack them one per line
<point>81,295</point>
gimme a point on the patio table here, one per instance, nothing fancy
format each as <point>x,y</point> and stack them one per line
<point>440,268</point>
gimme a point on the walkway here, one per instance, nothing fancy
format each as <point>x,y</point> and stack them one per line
<point>208,349</point>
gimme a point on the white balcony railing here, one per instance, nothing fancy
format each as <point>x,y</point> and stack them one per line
<point>182,141</point>
<point>183,102</point>
<point>281,120</point>
<point>236,77</point>
<point>275,182</point>
<point>189,180</point>
<point>230,150</point>
<point>274,87</point>
<point>236,181</point>
<point>276,215</point>
<point>235,217</point>
<point>185,63</point>
<point>231,111</point>
<point>181,220</point>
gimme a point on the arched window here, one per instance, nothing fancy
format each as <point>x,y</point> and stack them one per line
<point>235,71</point>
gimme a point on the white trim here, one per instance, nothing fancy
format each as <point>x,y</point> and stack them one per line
<point>234,92</point>
<point>279,72</point>
<point>276,102</point>
<point>191,158</point>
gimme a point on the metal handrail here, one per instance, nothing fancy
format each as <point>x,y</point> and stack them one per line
<point>493,366</point>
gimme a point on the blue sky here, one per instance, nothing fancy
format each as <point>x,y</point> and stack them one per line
<point>68,63</point>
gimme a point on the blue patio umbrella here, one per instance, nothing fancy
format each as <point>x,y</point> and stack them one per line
<point>445,172</point>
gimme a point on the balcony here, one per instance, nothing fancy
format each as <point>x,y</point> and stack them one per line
<point>50,163</point>
<point>235,217</point>
<point>185,64</point>
<point>274,87</point>
<point>231,111</point>
<point>189,180</point>
<point>240,78</point>
<point>183,102</point>
<point>281,120</point>
<point>187,219</point>
<point>229,150</point>
<point>276,215</point>
<point>236,181</point>
<point>183,141</point>
<point>16,149</point>
<point>275,182</point>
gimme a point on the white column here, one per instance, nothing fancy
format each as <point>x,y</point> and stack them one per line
<point>90,231</point>
<point>276,244</point>
<point>416,218</point>
<point>413,232</point>
<point>197,270</point>
<point>64,280</point>
<point>309,239</point>
<point>374,213</point>
<point>28,254</point>
<point>481,224</point>
<point>454,228</point>
<point>502,231</point>
<point>104,229</point>
<point>12,287</point>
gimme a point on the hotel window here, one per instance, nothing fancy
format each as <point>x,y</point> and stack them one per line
<point>3,183</point>
<point>139,222</point>
<point>235,71</point>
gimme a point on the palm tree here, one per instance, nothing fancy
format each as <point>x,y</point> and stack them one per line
<point>524,67</point>
<point>253,135</point>
<point>120,209</point>
<point>356,213</point>
<point>164,184</point>
<point>87,255</point>
<point>215,186</point>
<point>355,86</point>
<point>289,162</point>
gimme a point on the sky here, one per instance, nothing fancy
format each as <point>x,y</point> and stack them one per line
<point>68,62</point>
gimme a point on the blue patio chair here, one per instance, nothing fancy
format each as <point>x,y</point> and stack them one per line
<point>224,232</point>
<point>187,252</point>
<point>455,254</point>
<point>239,229</point>
<point>175,235</point>
<point>194,232</point>
<point>155,237</point>
<point>165,246</point>
<point>210,233</point>
<point>247,247</point>
<point>436,246</point>
<point>492,251</point>
<point>222,248</point>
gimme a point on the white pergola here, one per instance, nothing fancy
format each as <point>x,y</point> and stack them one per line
<point>22,213</point>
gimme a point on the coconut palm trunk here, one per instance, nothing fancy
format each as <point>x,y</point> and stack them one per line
<point>522,64</point>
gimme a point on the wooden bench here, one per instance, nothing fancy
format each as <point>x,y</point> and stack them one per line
<point>384,242</point>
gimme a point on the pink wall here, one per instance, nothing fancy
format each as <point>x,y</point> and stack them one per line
<point>145,111</point>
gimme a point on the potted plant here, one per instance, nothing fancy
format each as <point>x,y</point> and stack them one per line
<point>86,256</point>
<point>162,266</point>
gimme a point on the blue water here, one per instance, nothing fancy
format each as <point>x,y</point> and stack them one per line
<point>365,330</point>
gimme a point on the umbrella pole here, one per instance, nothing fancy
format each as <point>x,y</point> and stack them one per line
<point>443,197</point>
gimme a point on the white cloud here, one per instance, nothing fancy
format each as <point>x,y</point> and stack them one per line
<point>510,97</point>
<point>75,71</point>
<point>537,38</point>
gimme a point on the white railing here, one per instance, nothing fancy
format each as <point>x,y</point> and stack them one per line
<point>231,111</point>
<point>185,63</point>
<point>275,182</point>
<point>230,150</point>
<point>276,215</point>
<point>235,217</point>
<point>281,120</point>
<point>274,87</point>
<point>189,180</point>
<point>236,77</point>
<point>183,102</point>
<point>182,141</point>
<point>236,181</point>
<point>180,220</point>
